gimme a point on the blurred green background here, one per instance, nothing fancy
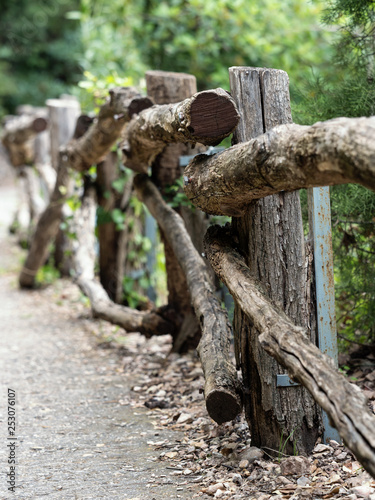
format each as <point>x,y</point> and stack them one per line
<point>327,48</point>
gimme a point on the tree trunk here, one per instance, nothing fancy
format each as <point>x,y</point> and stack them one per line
<point>290,345</point>
<point>63,117</point>
<point>164,88</point>
<point>270,236</point>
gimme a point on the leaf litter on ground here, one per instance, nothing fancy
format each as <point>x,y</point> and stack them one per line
<point>220,458</point>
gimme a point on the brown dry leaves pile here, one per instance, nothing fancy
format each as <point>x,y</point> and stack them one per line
<point>220,459</point>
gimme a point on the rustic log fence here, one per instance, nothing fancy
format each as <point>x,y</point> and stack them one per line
<point>278,157</point>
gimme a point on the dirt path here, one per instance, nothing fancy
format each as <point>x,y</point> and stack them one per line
<point>75,440</point>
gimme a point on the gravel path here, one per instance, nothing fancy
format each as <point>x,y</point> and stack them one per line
<point>75,438</point>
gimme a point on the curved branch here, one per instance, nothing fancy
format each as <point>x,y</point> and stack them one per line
<point>289,345</point>
<point>124,102</point>
<point>286,158</point>
<point>146,322</point>
<point>221,387</point>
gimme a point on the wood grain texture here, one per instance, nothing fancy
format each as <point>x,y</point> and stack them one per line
<point>270,237</point>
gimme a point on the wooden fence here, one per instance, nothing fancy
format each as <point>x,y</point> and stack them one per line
<point>273,156</point>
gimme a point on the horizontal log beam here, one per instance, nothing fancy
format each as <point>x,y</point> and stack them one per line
<point>207,118</point>
<point>221,391</point>
<point>286,158</point>
<point>92,147</point>
<point>290,346</point>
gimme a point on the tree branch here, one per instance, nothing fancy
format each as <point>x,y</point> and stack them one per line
<point>221,388</point>
<point>286,158</point>
<point>207,117</point>
<point>290,346</point>
<point>124,102</point>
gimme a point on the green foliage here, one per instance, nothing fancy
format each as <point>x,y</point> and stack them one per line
<point>174,195</point>
<point>132,296</point>
<point>201,37</point>
<point>47,274</point>
<point>39,51</point>
<point>353,217</point>
<point>349,90</point>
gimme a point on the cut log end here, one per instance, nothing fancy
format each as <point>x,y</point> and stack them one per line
<point>40,124</point>
<point>223,405</point>
<point>213,114</point>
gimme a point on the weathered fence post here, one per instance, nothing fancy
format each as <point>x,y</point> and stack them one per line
<point>270,236</point>
<point>63,115</point>
<point>164,88</point>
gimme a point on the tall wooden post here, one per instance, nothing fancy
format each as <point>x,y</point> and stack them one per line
<point>270,235</point>
<point>63,115</point>
<point>164,88</point>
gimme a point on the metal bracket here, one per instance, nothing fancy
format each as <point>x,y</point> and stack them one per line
<point>283,380</point>
<point>184,160</point>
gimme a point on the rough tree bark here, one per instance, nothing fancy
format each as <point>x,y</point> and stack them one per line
<point>80,152</point>
<point>46,229</point>
<point>270,236</point>
<point>290,345</point>
<point>221,386</point>
<point>165,88</point>
<point>106,130</point>
<point>286,158</point>
<point>148,323</point>
<point>207,118</point>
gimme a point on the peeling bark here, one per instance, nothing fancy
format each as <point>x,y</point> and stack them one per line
<point>207,117</point>
<point>221,387</point>
<point>148,323</point>
<point>290,346</point>
<point>286,158</point>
